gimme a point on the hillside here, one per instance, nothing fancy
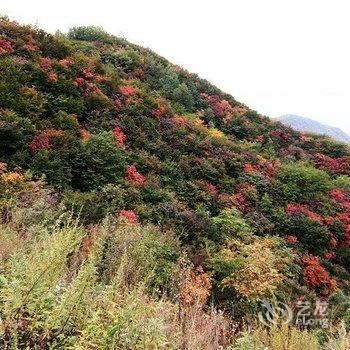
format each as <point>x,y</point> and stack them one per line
<point>314,127</point>
<point>137,199</point>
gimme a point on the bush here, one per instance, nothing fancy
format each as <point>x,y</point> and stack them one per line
<point>125,60</point>
<point>311,234</point>
<point>98,162</point>
<point>55,170</point>
<point>301,182</point>
<point>93,206</point>
<point>229,223</point>
<point>253,269</point>
<point>89,33</point>
<point>15,133</point>
<point>343,182</point>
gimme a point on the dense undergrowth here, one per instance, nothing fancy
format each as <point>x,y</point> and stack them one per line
<point>142,207</point>
<point>117,285</point>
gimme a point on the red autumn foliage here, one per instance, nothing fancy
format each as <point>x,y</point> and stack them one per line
<point>79,82</point>
<point>343,201</point>
<point>329,255</point>
<point>43,140</point>
<point>299,209</point>
<point>45,63</point>
<point>119,135</point>
<point>281,135</point>
<point>249,168</point>
<point>219,107</point>
<point>52,77</point>
<point>5,46</point>
<point>179,120</point>
<point>66,62</point>
<point>160,111</point>
<point>264,166</point>
<point>316,276</point>
<point>31,44</point>
<point>92,90</point>
<point>329,220</point>
<point>212,189</point>
<point>129,215</point>
<point>334,165</point>
<point>88,75</point>
<point>118,104</point>
<point>338,195</point>
<point>270,168</point>
<point>291,239</point>
<point>197,161</point>
<point>128,90</point>
<point>327,163</point>
<point>133,176</point>
<point>259,138</point>
<point>239,199</point>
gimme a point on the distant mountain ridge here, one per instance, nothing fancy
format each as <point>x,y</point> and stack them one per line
<point>312,126</point>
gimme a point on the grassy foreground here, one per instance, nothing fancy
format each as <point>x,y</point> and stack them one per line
<point>64,286</point>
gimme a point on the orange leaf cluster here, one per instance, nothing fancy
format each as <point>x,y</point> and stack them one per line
<point>133,176</point>
<point>43,140</point>
<point>12,177</point>
<point>5,46</point>
<point>119,135</point>
<point>197,287</point>
<point>128,90</point>
<point>130,216</point>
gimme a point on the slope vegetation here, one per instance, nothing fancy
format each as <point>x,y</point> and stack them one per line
<point>127,181</point>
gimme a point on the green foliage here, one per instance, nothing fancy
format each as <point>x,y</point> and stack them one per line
<point>98,162</point>
<point>343,182</point>
<point>15,133</point>
<point>76,110</point>
<point>62,120</point>
<point>89,33</point>
<point>79,289</point>
<point>95,205</point>
<point>230,223</point>
<point>334,148</point>
<point>49,163</point>
<point>300,182</point>
<point>126,60</point>
<point>311,234</point>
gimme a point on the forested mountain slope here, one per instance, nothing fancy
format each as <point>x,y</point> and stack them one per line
<point>100,128</point>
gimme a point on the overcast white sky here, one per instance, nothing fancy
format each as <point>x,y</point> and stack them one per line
<point>277,56</point>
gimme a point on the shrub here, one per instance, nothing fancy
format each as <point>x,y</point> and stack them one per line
<point>133,176</point>
<point>97,162</point>
<point>253,269</point>
<point>44,140</point>
<point>343,182</point>
<point>230,223</point>
<point>313,235</point>
<point>300,182</point>
<point>53,167</point>
<point>94,206</point>
<point>15,133</point>
<point>316,277</point>
<point>89,33</point>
